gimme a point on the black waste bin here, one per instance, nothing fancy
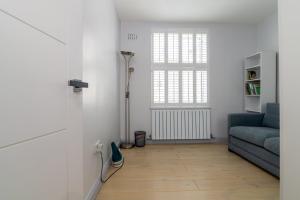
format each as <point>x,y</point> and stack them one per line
<point>140,138</point>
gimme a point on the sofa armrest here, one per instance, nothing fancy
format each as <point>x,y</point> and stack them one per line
<point>245,119</point>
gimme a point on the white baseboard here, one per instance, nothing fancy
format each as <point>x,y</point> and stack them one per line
<point>92,194</point>
<point>221,140</point>
<point>96,187</point>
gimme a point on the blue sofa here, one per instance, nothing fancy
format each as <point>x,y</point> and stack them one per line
<point>255,136</point>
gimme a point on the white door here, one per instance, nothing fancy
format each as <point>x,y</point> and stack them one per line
<point>34,100</point>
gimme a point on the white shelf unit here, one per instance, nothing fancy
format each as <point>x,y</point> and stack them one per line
<point>260,88</point>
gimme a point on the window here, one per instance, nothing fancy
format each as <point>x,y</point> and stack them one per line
<point>173,87</point>
<point>201,48</point>
<point>173,48</point>
<point>187,48</point>
<point>159,86</point>
<point>159,47</point>
<point>201,85</point>
<point>187,87</point>
<point>179,68</point>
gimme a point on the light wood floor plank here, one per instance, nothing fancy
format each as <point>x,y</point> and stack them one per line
<point>179,172</point>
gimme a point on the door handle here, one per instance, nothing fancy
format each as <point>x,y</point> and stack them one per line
<point>78,85</point>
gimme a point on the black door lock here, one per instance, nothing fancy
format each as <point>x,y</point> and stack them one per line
<point>78,85</point>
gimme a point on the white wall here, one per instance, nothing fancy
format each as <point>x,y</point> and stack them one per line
<point>229,44</point>
<point>267,33</point>
<point>289,62</point>
<point>267,38</point>
<point>101,71</point>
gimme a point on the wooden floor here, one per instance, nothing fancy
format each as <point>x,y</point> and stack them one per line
<point>188,172</point>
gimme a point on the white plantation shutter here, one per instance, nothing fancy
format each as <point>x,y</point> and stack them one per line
<point>158,86</point>
<point>201,48</point>
<point>187,87</point>
<point>173,86</point>
<point>180,68</point>
<point>187,48</point>
<point>158,47</point>
<point>201,87</point>
<point>173,47</point>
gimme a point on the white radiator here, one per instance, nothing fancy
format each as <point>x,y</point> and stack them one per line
<point>180,124</point>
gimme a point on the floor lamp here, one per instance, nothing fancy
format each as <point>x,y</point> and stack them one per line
<point>128,70</point>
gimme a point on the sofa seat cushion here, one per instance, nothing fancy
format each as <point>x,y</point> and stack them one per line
<point>272,144</point>
<point>254,135</point>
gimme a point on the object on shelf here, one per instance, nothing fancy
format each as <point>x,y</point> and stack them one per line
<point>252,89</point>
<point>252,75</point>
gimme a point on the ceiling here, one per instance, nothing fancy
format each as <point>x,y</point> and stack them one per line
<point>231,11</point>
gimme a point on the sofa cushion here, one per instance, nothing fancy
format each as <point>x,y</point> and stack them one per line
<point>271,118</point>
<point>259,152</point>
<point>254,135</point>
<point>272,144</point>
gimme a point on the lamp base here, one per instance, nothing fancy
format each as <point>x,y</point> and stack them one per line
<point>126,146</point>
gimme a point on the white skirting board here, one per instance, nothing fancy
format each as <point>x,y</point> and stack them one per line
<point>92,194</point>
<point>96,187</point>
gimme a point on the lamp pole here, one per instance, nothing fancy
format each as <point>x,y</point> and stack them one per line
<point>128,70</point>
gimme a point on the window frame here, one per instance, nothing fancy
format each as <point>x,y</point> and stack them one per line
<point>181,67</point>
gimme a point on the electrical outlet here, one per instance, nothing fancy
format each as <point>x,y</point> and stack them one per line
<point>99,146</point>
